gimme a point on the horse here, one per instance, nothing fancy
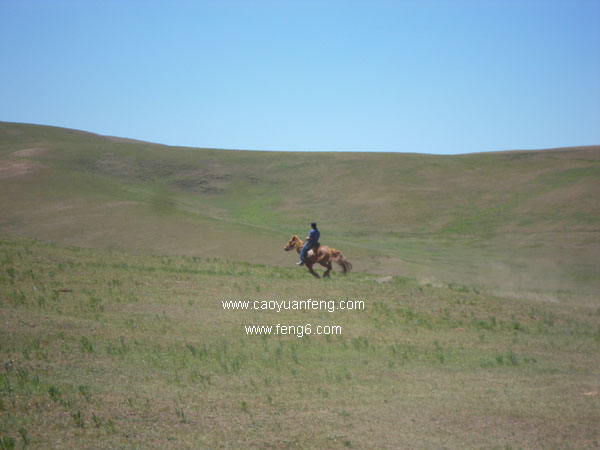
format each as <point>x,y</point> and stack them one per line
<point>323,255</point>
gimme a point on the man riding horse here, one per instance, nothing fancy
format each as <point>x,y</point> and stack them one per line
<point>320,254</point>
<point>312,242</point>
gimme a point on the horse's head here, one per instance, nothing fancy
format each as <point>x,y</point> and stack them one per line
<point>292,243</point>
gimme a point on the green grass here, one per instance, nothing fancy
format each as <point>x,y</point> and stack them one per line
<point>480,276</point>
<point>116,349</point>
<point>530,217</point>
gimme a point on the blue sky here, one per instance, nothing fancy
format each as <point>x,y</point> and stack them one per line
<point>408,76</point>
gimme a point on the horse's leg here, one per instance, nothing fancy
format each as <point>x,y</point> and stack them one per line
<point>310,269</point>
<point>328,266</point>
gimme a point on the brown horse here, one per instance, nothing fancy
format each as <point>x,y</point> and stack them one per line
<point>323,255</point>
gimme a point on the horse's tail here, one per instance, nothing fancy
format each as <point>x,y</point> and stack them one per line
<point>343,262</point>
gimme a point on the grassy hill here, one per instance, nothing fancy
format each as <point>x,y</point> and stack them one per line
<point>105,349</point>
<point>478,276</point>
<point>515,221</point>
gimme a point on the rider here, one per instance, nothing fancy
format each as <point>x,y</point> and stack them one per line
<point>312,241</point>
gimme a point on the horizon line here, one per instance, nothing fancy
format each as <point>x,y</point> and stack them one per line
<point>142,141</point>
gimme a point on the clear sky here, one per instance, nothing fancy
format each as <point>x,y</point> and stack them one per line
<point>408,76</point>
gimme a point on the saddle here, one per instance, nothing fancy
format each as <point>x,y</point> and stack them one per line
<point>312,251</point>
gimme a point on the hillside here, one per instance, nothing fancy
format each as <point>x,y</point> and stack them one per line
<point>516,221</point>
<point>143,291</point>
<point>105,349</point>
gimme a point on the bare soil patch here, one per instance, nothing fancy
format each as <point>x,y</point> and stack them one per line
<point>28,152</point>
<point>16,168</point>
